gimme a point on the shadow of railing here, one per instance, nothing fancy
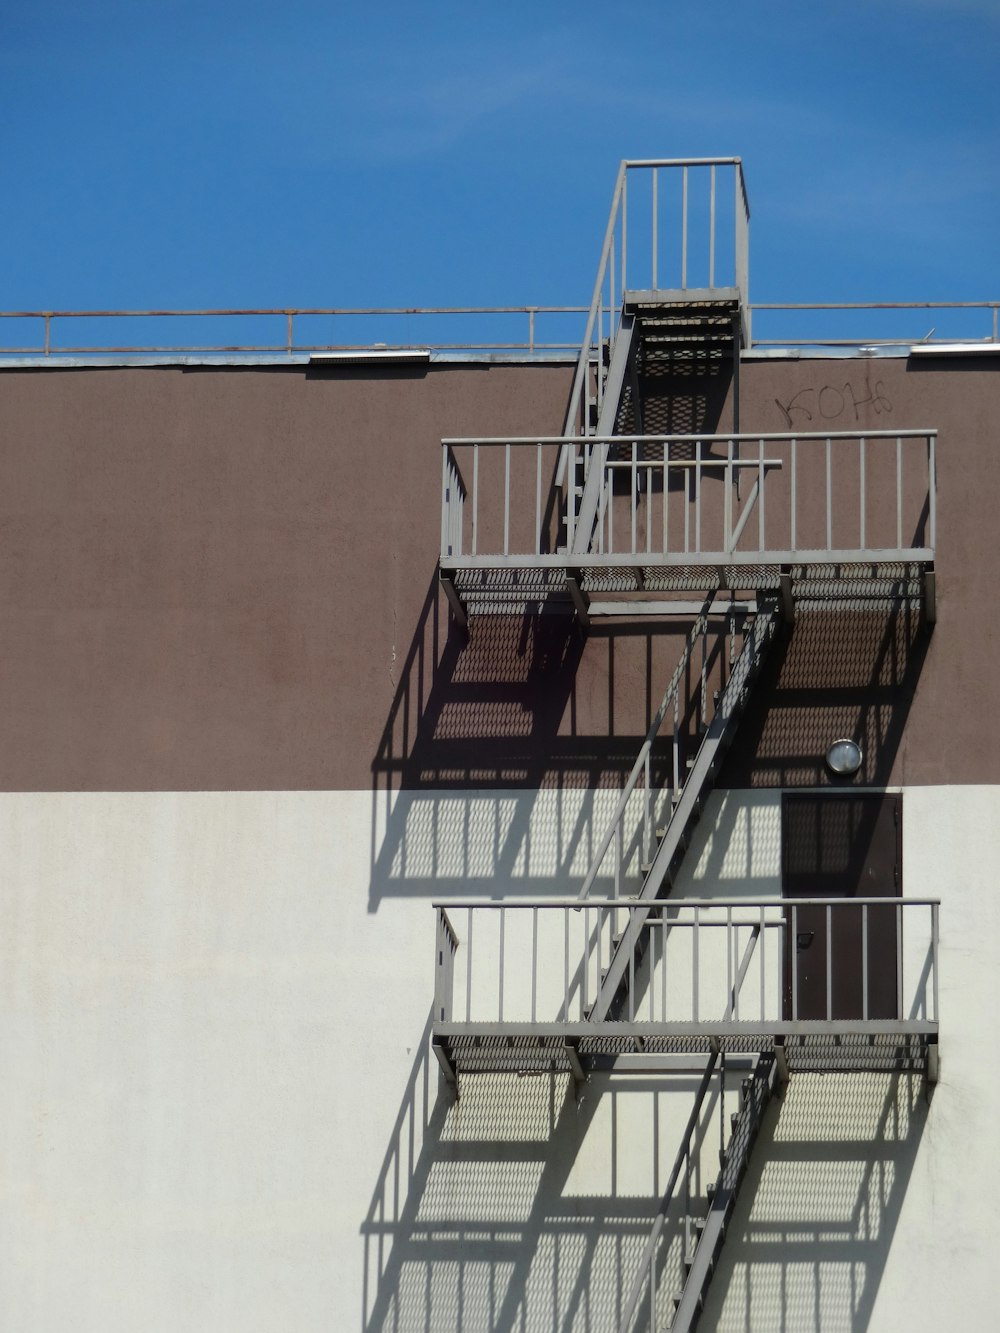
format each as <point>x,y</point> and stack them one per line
<point>496,770</point>
<point>843,672</point>
<point>812,1231</point>
<point>517,1206</point>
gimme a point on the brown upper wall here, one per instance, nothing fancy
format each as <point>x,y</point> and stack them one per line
<point>225,578</point>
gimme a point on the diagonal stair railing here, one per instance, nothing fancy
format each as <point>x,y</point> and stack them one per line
<point>641,774</point>
<point>688,806</point>
<point>663,234</point>
<point>646,1289</point>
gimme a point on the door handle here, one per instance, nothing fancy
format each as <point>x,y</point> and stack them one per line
<point>803,939</point>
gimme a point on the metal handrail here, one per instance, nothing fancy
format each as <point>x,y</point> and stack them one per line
<point>595,928</point>
<point>646,1271</point>
<point>611,281</point>
<point>842,470</point>
<point>642,765</point>
<point>289,345</point>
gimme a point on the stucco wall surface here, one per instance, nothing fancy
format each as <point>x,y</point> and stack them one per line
<point>218,1108</point>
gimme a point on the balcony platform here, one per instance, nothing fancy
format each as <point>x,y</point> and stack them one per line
<point>840,1045</point>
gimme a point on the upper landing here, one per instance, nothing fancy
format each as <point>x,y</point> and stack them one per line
<point>609,519</point>
<point>625,525</point>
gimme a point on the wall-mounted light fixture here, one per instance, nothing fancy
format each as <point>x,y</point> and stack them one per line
<point>844,758</point>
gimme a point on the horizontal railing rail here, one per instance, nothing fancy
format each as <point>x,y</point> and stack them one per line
<point>539,963</point>
<point>299,331</point>
<point>807,497</point>
<point>543,328</point>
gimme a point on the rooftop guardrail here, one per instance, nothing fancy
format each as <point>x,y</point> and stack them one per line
<point>284,332</point>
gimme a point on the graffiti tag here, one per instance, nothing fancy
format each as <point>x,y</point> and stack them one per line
<point>832,401</point>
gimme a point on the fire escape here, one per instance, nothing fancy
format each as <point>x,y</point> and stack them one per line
<point>738,534</point>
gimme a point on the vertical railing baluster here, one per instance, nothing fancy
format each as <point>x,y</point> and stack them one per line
<point>584,988</point>
<point>829,962</point>
<point>506,498</point>
<point>697,494</point>
<point>677,749</point>
<point>624,287</point>
<point>684,227</point>
<point>711,226</point>
<point>565,917</point>
<point>634,477</point>
<point>864,961</point>
<point>619,855</point>
<point>600,951</point>
<point>587,427</point>
<point>651,924</point>
<point>763,966</point>
<point>829,494</point>
<point>934,958</point>
<point>703,706</point>
<point>899,959</point>
<point>730,992</point>
<point>608,486</point>
<point>503,930</point>
<point>633,942</point>
<point>649,508</point>
<point>760,496</point>
<point>475,499</point>
<point>538,498</point>
<point>666,498</point>
<point>794,947</point>
<point>663,966</point>
<point>932,486</point>
<point>647,806</point>
<point>899,492</point>
<point>794,501</point>
<point>468,966</point>
<point>656,178</point>
<point>727,502</point>
<point>445,505</point>
<point>534,965</point>
<point>612,306</point>
<point>696,945</point>
<point>862,524</point>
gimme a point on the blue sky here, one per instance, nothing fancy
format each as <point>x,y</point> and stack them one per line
<point>210,153</point>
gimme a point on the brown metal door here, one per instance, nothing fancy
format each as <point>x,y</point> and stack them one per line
<point>841,845</point>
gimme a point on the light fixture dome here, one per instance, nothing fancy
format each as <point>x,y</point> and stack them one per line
<point>844,757</point>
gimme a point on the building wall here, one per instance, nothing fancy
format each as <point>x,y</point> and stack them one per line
<point>244,750</point>
<point>219,1110</point>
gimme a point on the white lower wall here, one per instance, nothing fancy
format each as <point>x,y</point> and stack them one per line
<point>217,1111</point>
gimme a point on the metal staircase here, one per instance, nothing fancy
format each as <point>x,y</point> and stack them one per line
<point>736,533</point>
<point>688,799</point>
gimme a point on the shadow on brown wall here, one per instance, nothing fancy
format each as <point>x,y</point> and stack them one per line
<point>501,713</point>
<point>842,673</point>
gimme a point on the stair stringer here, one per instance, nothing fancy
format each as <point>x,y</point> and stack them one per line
<point>614,389</point>
<point>701,1266</point>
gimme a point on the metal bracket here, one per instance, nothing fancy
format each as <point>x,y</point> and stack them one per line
<point>573,1059</point>
<point>444,1060</point>
<point>781,1060</point>
<point>454,601</point>
<point>933,1064</point>
<point>930,596</point>
<point>581,601</point>
<point>787,603</point>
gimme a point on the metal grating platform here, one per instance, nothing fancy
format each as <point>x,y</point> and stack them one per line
<point>833,1048</point>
